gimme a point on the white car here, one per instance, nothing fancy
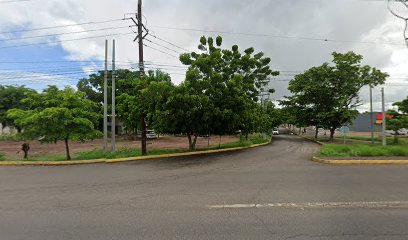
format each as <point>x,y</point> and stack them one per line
<point>151,134</point>
<point>275,131</point>
<point>403,131</point>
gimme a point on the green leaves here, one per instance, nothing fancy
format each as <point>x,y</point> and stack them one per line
<point>60,115</point>
<point>327,96</point>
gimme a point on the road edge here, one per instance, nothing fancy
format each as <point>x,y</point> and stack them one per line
<point>130,159</point>
<point>360,162</point>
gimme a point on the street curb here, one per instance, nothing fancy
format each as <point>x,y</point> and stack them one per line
<point>119,160</point>
<point>320,143</point>
<point>361,162</point>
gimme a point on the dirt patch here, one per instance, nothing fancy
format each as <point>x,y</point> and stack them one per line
<point>12,149</point>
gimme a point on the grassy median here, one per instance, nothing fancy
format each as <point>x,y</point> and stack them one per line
<point>363,150</point>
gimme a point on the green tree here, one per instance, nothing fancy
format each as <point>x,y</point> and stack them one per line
<point>185,113</point>
<point>231,81</point>
<point>58,115</point>
<point>11,98</point>
<point>402,106</point>
<point>332,91</point>
<point>399,118</point>
<point>141,97</point>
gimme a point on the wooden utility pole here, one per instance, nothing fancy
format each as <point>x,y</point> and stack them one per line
<point>141,72</point>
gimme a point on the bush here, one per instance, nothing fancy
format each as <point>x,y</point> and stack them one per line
<point>362,150</point>
<point>11,137</point>
<point>2,157</point>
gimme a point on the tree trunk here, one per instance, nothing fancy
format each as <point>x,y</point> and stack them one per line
<point>194,142</point>
<point>316,133</point>
<point>67,149</point>
<point>246,136</point>
<point>219,143</point>
<point>300,130</point>
<point>332,131</point>
<point>144,138</point>
<point>396,137</point>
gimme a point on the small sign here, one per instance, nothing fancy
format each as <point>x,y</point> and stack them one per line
<point>344,129</point>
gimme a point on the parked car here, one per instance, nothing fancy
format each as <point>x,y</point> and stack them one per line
<point>151,134</point>
<point>275,131</point>
<point>403,131</point>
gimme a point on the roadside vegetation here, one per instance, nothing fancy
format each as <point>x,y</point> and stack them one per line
<point>135,152</point>
<point>223,93</point>
<point>363,150</point>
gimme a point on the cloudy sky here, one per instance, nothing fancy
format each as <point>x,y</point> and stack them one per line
<point>46,42</point>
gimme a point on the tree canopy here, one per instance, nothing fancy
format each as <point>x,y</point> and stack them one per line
<point>328,95</point>
<point>11,97</point>
<point>57,115</point>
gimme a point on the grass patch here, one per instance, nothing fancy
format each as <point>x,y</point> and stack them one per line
<point>363,150</point>
<point>122,153</point>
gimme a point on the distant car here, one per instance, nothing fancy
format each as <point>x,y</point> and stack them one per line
<point>151,134</point>
<point>275,131</point>
<point>403,131</point>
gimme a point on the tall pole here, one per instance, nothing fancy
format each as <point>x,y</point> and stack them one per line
<point>141,71</point>
<point>371,115</point>
<point>384,141</point>
<point>113,122</point>
<point>105,101</point>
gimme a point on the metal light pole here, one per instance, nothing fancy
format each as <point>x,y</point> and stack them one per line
<point>371,115</point>
<point>113,122</point>
<point>105,101</point>
<point>384,140</point>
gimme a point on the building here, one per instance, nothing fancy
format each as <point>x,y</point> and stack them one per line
<point>363,123</point>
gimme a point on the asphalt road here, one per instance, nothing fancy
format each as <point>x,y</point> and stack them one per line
<point>270,192</point>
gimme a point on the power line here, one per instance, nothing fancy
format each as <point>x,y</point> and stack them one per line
<point>66,33</point>
<point>162,46</point>
<point>160,51</point>
<point>68,40</point>
<point>276,36</point>
<point>14,1</point>
<point>174,45</point>
<point>62,26</point>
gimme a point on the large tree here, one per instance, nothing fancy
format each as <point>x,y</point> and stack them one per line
<point>331,92</point>
<point>231,80</point>
<point>140,96</point>
<point>11,98</point>
<point>58,115</point>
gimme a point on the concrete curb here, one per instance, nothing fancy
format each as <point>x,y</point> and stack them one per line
<point>320,143</point>
<point>118,160</point>
<point>361,162</point>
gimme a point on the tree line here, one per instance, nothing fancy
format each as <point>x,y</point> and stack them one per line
<point>220,95</point>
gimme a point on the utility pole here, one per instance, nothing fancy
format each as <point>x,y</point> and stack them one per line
<point>141,72</point>
<point>371,115</point>
<point>142,32</point>
<point>105,101</point>
<point>384,141</point>
<point>113,122</point>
